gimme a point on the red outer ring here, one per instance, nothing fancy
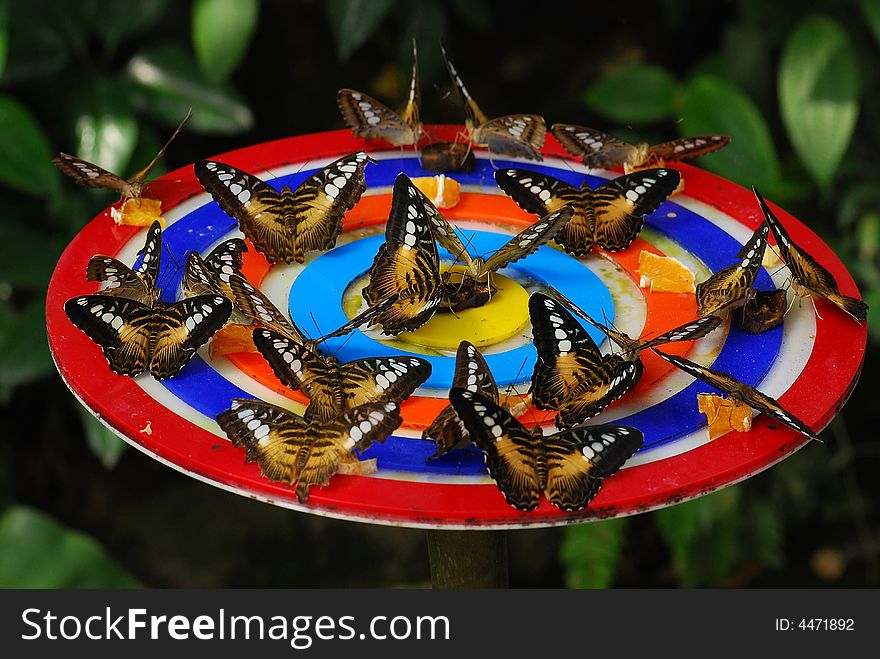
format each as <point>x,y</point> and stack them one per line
<point>815,397</point>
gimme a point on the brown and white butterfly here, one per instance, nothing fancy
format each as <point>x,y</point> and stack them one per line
<point>732,286</point>
<point>90,175</point>
<point>567,467</point>
<point>371,120</point>
<point>610,215</point>
<point>135,283</point>
<point>332,387</point>
<point>286,225</point>
<point>212,274</point>
<point>137,338</point>
<point>740,391</point>
<point>293,450</point>
<point>808,276</point>
<point>256,306</point>
<point>598,149</point>
<point>571,375</point>
<point>519,135</point>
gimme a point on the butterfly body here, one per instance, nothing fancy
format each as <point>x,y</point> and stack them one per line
<point>610,216</point>
<point>212,275</point>
<point>732,287</point>
<point>286,225</point>
<point>133,283</point>
<point>301,452</point>
<point>567,467</point>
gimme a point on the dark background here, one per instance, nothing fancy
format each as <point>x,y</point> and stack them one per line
<point>77,509</point>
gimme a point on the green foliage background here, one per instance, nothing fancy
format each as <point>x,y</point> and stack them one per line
<point>794,84</point>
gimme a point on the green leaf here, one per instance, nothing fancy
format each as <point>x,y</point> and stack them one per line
<point>640,94</point>
<point>41,553</point>
<point>590,553</point>
<point>221,32</point>
<point>27,256</point>
<point>168,82</point>
<point>103,442</point>
<point>107,139</point>
<point>24,351</point>
<point>115,21</point>
<point>424,21</point>
<point>26,164</point>
<point>819,93</point>
<point>871,10</point>
<point>4,34</point>
<point>353,21</point>
<point>713,105</point>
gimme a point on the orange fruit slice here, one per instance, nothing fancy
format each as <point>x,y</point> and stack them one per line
<point>664,274</point>
<point>724,414</point>
<point>443,191</point>
<point>139,212</point>
<point>234,337</point>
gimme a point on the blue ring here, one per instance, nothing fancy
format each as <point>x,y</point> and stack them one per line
<point>747,357</point>
<point>318,292</point>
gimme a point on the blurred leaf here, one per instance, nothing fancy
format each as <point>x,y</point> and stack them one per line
<point>868,235</point>
<point>24,351</point>
<point>764,534</point>
<point>748,60</point>
<point>872,299</point>
<point>590,553</point>
<point>41,553</point>
<point>475,13</point>
<point>107,140</point>
<point>118,20</point>
<point>4,34</point>
<point>168,82</point>
<point>27,256</point>
<point>426,22</point>
<point>103,442</point>
<point>27,158</point>
<point>819,95</point>
<point>640,94</point>
<point>353,21</point>
<point>713,105</point>
<point>871,10</point>
<point>221,32</point>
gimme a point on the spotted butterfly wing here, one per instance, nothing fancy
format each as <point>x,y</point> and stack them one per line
<point>571,375</point>
<point>285,225</point>
<point>527,241</point>
<point>137,338</point>
<point>808,273</point>
<point>136,283</point>
<point>597,149</point>
<point>732,286</point>
<point>291,450</point>
<point>407,267</point>
<point>371,120</point>
<point>472,374</point>
<point>688,147</point>
<point>258,308</point>
<point>741,391</point>
<point>212,275</point>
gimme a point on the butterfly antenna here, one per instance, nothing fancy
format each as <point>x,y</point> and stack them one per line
<point>818,315</point>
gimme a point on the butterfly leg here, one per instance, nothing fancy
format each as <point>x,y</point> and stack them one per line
<point>818,315</point>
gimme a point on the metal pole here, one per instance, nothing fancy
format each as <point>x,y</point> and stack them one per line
<point>468,559</point>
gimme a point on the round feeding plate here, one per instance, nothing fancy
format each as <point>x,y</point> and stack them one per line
<point>809,364</point>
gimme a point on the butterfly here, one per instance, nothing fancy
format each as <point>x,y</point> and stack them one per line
<point>293,450</point>
<point>405,274</point>
<point>610,215</point>
<point>630,348</point>
<point>568,467</point>
<point>285,225</point>
<point>571,375</point>
<point>740,391</point>
<point>371,120</point>
<point>89,175</point>
<point>137,284</point>
<point>472,374</point>
<point>212,275</point>
<point>512,135</point>
<point>731,287</point>
<point>332,387</point>
<point>137,337</point>
<point>808,276</point>
<point>601,150</point>
<point>255,305</point>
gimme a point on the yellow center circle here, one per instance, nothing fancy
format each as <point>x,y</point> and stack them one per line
<point>499,319</point>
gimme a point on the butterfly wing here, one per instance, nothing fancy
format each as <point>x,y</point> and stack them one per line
<point>687,332</point>
<point>443,232</point>
<point>626,343</point>
<point>198,279</point>
<point>371,120</point>
<point>120,326</point>
<point>620,206</point>
<point>119,279</point>
<point>89,175</point>
<point>226,259</point>
<point>540,194</point>
<point>808,272</point>
<point>600,386</point>
<point>517,135</point>
<point>410,112</point>
<point>381,378</point>
<point>472,374</point>
<point>258,308</point>
<point>578,460</point>
<point>151,255</point>
<point>730,286</point>
<point>511,452</point>
<point>688,147</point>
<point>182,328</point>
<point>528,240</point>
<point>597,149</point>
<point>739,390</point>
<point>474,115</point>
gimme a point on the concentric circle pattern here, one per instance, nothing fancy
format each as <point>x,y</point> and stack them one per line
<point>809,364</point>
